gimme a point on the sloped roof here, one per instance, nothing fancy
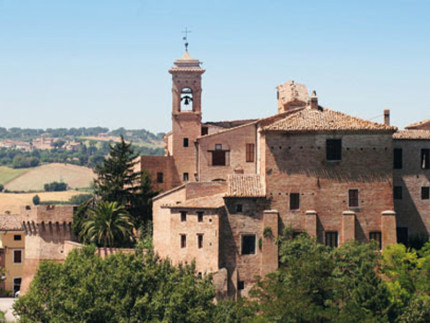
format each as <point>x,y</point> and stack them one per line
<point>10,222</point>
<point>412,135</point>
<point>230,124</point>
<point>323,119</point>
<point>206,202</point>
<point>245,186</point>
<point>419,125</point>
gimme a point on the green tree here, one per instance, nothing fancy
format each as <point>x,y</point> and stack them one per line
<point>36,200</point>
<point>119,288</point>
<point>108,225</point>
<point>118,181</point>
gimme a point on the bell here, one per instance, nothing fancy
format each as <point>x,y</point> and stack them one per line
<point>187,100</point>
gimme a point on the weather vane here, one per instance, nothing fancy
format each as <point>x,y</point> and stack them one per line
<point>186,32</point>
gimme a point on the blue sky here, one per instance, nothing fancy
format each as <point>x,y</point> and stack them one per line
<point>72,63</point>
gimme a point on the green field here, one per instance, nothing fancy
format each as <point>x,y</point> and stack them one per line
<point>7,174</point>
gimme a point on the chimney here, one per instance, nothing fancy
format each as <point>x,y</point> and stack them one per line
<point>314,100</point>
<point>387,117</point>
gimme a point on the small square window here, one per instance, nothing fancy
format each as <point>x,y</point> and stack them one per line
<point>425,193</point>
<point>248,244</point>
<point>185,142</point>
<point>200,241</point>
<point>334,149</point>
<point>186,177</point>
<point>183,216</point>
<point>376,236</point>
<point>200,216</point>
<point>17,256</point>
<point>353,198</point>
<point>239,208</point>
<point>160,177</point>
<point>183,241</point>
<point>294,201</point>
<point>205,131</point>
<point>331,239</point>
<point>398,192</point>
<point>17,237</point>
<point>240,285</point>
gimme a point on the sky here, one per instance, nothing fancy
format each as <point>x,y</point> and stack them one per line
<point>82,63</point>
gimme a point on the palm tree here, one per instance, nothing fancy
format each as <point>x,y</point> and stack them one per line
<point>108,225</point>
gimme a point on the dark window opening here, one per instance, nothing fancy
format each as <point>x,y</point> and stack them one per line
<point>185,142</point>
<point>239,208</point>
<point>250,153</point>
<point>17,256</point>
<point>186,177</point>
<point>218,158</point>
<point>376,236</point>
<point>16,285</point>
<point>183,240</point>
<point>183,216</point>
<point>425,193</point>
<point>17,237</point>
<point>331,239</point>
<point>294,201</point>
<point>353,198</point>
<point>248,244</point>
<point>240,285</point>
<point>205,131</point>
<point>398,192</point>
<point>425,158</point>
<point>200,216</point>
<point>334,149</point>
<point>398,158</point>
<point>402,235</point>
<point>186,99</point>
<point>200,241</point>
<point>160,177</point>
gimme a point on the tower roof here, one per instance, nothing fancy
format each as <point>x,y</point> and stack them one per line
<point>187,64</point>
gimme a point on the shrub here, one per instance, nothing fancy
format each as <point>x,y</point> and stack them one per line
<point>55,187</point>
<point>36,200</point>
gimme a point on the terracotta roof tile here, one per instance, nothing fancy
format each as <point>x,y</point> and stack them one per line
<point>424,124</point>
<point>10,223</point>
<point>245,186</point>
<point>412,134</point>
<point>230,124</point>
<point>323,119</point>
<point>207,202</point>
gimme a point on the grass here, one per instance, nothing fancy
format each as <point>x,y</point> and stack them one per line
<point>13,201</point>
<point>35,178</point>
<point>7,174</point>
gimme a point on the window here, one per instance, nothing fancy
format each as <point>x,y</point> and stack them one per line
<point>353,198</point>
<point>376,236</point>
<point>249,153</point>
<point>183,216</point>
<point>186,99</point>
<point>240,285</point>
<point>398,192</point>
<point>218,146</point>
<point>199,240</point>
<point>331,239</point>
<point>183,240</point>
<point>398,158</point>
<point>218,157</point>
<point>425,158</point>
<point>205,131</point>
<point>239,208</point>
<point>334,149</point>
<point>294,201</point>
<point>16,284</point>
<point>17,237</point>
<point>160,177</point>
<point>17,256</point>
<point>200,216</point>
<point>248,244</point>
<point>402,236</point>
<point>425,192</point>
<point>186,177</point>
<point>185,142</point>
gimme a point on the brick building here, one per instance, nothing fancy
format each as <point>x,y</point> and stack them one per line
<point>230,188</point>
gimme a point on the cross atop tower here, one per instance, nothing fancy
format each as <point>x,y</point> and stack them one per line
<point>186,32</point>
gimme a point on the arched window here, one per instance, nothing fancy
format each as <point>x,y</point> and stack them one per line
<point>186,99</point>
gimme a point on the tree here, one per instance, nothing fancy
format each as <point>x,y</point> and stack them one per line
<point>118,181</point>
<point>36,200</point>
<point>119,288</point>
<point>108,225</point>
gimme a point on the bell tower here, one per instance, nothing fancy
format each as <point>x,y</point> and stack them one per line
<point>186,114</point>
